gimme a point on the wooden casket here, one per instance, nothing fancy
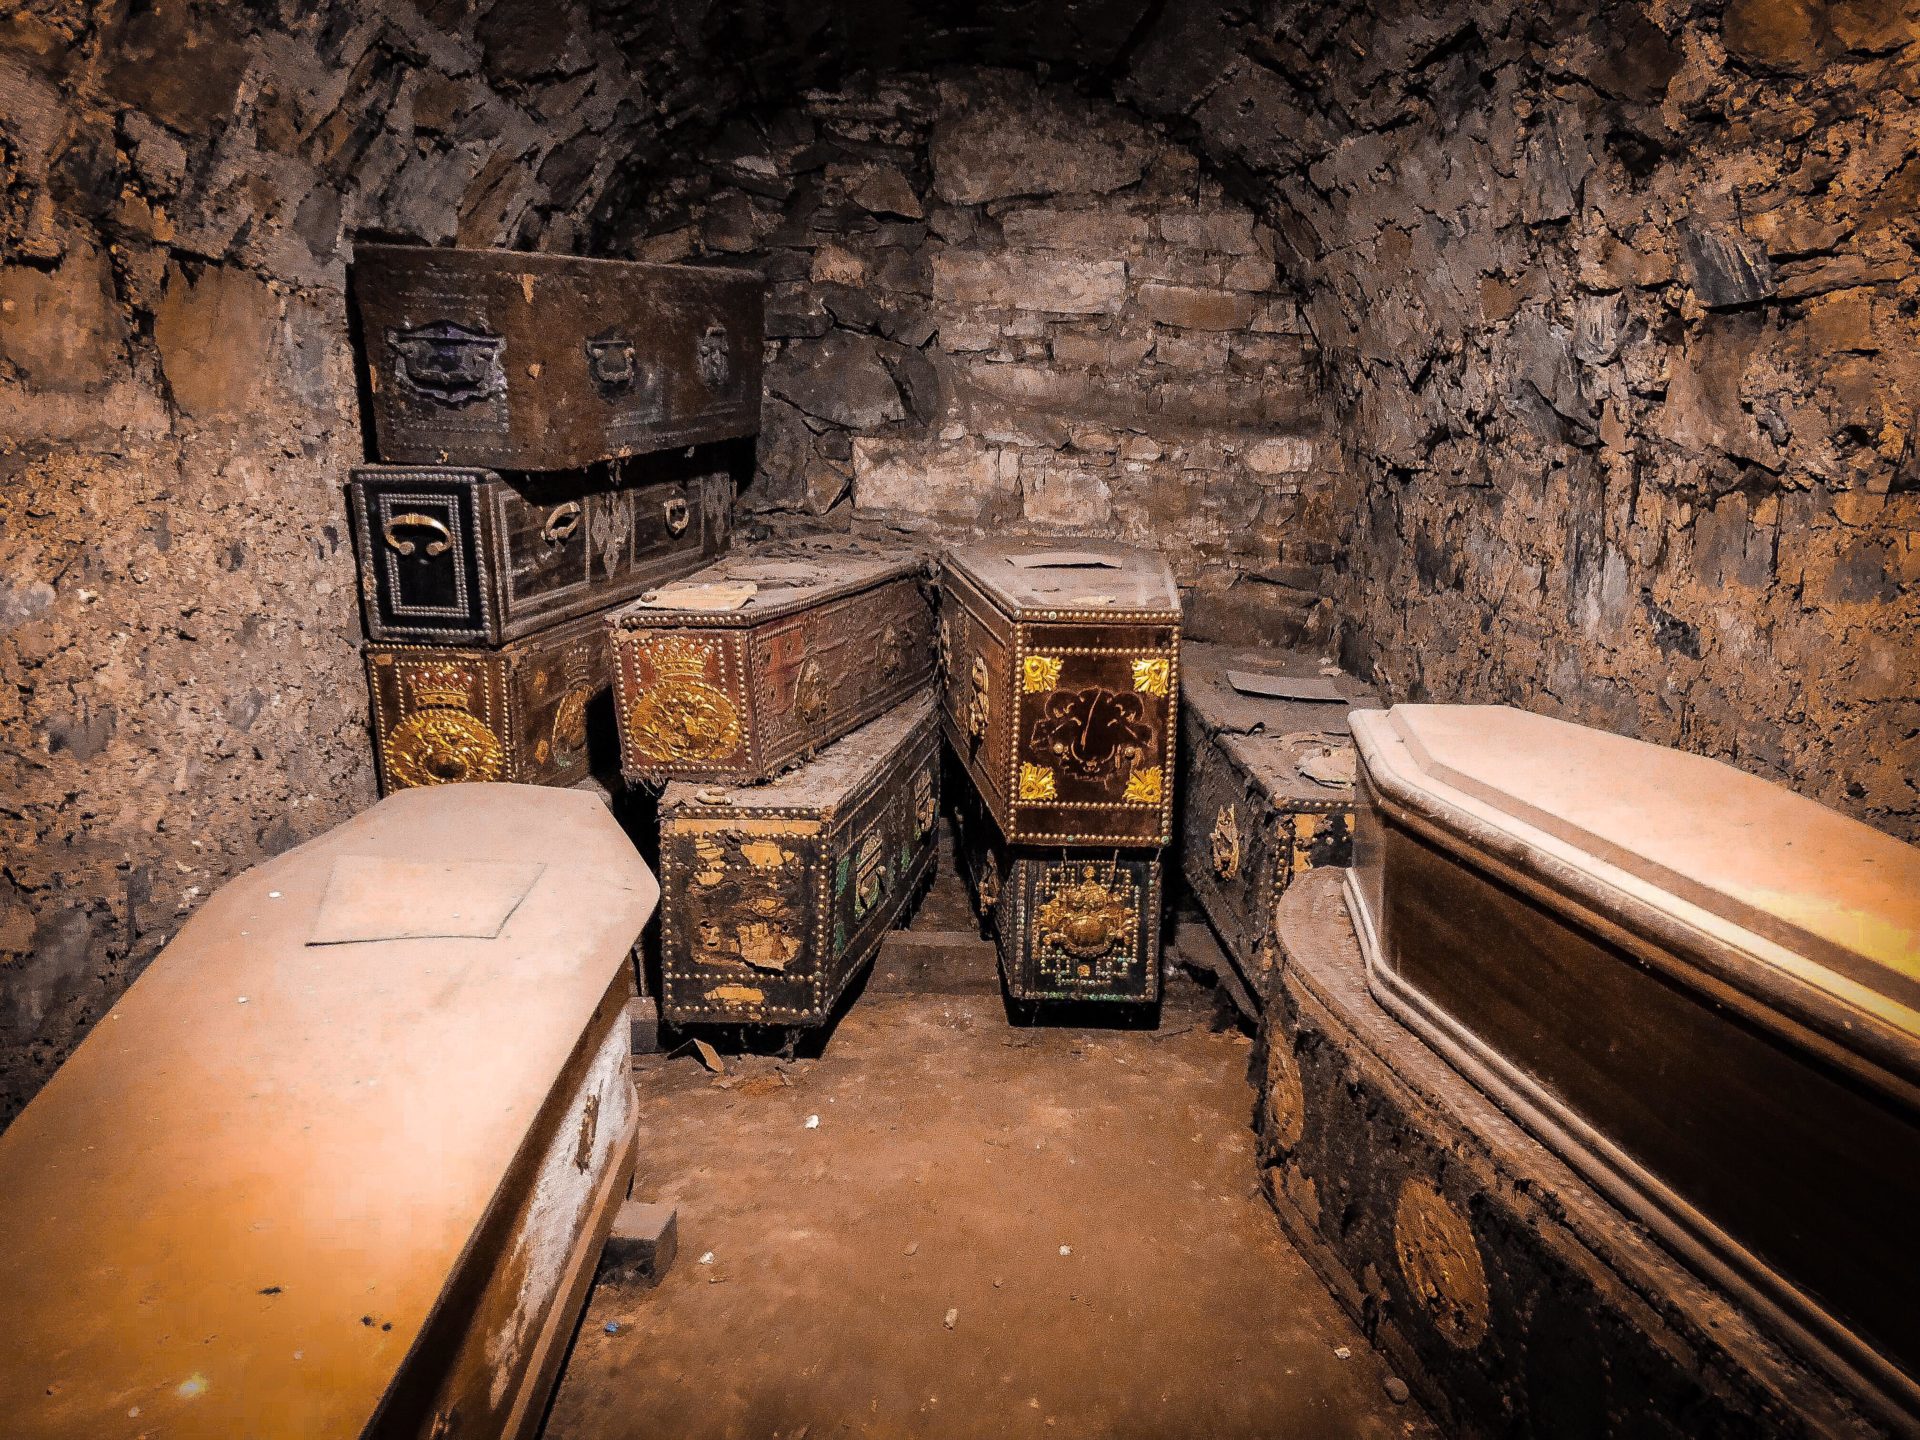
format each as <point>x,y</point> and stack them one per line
<point>1060,664</point>
<point>777,895</point>
<point>521,714</point>
<point>757,661</point>
<point>1266,776</point>
<point>1700,989</point>
<point>520,361</point>
<point>452,556</point>
<point>341,1161</point>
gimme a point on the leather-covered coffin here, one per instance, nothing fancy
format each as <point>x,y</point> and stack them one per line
<point>758,661</point>
<point>1067,925</point>
<point>457,556</point>
<point>520,361</point>
<point>1698,987</point>
<point>777,896</point>
<point>339,1163</point>
<point>521,713</point>
<point>1267,771</point>
<point>1061,680</point>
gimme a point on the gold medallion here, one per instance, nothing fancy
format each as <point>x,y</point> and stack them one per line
<point>570,724</point>
<point>1089,916</point>
<point>1440,1261</point>
<point>681,715</point>
<point>443,746</point>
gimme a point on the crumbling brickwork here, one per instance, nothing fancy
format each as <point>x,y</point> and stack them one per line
<point>1619,314</point>
<point>998,306</point>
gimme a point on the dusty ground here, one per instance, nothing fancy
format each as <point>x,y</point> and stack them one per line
<point>989,1232</point>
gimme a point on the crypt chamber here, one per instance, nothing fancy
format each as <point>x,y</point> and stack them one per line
<point>1121,718</point>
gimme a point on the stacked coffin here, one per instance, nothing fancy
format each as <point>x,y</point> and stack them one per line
<point>1061,672</point>
<point>1267,771</point>
<point>783,696</point>
<point>532,414</point>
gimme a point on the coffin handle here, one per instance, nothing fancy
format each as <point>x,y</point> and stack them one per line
<point>415,521</point>
<point>562,522</point>
<point>678,516</point>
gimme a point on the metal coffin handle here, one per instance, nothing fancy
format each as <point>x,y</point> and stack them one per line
<point>415,521</point>
<point>562,522</point>
<point>678,516</point>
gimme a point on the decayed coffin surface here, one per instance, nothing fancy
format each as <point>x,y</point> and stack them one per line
<point>520,714</point>
<point>1061,677</point>
<point>462,556</point>
<point>549,362</point>
<point>300,1189</point>
<point>1700,988</point>
<point>1066,924</point>
<point>1512,1296</point>
<point>1267,772</point>
<point>778,895</point>
<point>759,660</point>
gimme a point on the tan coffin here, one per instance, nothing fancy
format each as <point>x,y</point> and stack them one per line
<point>1699,988</point>
<point>294,1190</point>
<point>1060,664</point>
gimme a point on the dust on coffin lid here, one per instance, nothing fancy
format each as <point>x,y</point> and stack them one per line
<point>1752,854</point>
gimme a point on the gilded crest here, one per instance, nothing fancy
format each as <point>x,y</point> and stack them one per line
<point>442,742</point>
<point>1225,843</point>
<point>1151,676</point>
<point>1090,913</point>
<point>1041,672</point>
<point>1440,1261</point>
<point>570,723</point>
<point>809,691</point>
<point>448,363</point>
<point>869,874</point>
<point>679,714</point>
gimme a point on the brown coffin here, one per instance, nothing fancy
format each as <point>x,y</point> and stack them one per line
<point>521,713</point>
<point>319,1191</point>
<point>1700,988</point>
<point>550,362</point>
<point>1266,785</point>
<point>454,556</point>
<point>758,661</point>
<point>1066,924</point>
<point>777,896</point>
<point>1061,672</point>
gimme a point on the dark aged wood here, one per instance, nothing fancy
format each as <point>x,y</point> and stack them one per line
<point>756,662</point>
<point>1266,786</point>
<point>1509,1293</point>
<point>1060,686</point>
<point>339,1190</point>
<point>778,895</point>
<point>521,713</point>
<point>1066,924</point>
<point>551,362</point>
<point>462,556</point>
<point>1701,989</point>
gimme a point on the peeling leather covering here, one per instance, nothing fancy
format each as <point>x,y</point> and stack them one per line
<point>235,1209</point>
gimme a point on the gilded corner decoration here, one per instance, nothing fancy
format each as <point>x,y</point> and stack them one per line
<point>1037,782</point>
<point>1152,675</point>
<point>1146,787</point>
<point>1041,672</point>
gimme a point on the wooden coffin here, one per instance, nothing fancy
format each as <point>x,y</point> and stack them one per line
<point>453,556</point>
<point>356,1188</point>
<point>1267,770</point>
<point>1701,989</point>
<point>551,362</point>
<point>1066,924</point>
<point>521,713</point>
<point>756,662</point>
<point>777,896</point>
<point>1061,672</point>
<point>1509,1293</point>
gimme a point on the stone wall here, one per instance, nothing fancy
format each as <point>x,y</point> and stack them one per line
<point>1001,307</point>
<point>1619,313</point>
<point>177,613</point>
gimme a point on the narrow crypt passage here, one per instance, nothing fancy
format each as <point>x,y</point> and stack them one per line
<point>991,1231</point>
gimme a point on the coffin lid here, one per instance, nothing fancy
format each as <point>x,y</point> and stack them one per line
<point>776,580</point>
<point>1816,913</point>
<point>1025,576</point>
<point>266,1140</point>
<point>822,786</point>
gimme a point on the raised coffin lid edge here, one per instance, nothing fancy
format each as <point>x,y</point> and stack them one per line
<point>1139,583</point>
<point>340,1134</point>
<point>846,573</point>
<point>1814,914</point>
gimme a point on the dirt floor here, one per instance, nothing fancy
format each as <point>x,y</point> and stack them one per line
<point>948,1226</point>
